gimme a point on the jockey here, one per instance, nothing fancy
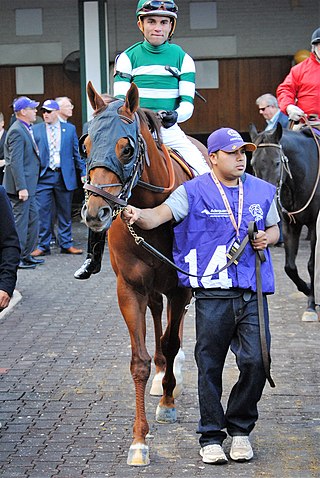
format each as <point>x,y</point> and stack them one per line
<point>165,76</point>
<point>299,94</point>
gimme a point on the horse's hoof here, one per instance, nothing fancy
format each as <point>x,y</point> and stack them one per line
<point>138,455</point>
<point>166,415</point>
<point>310,316</point>
<point>156,387</point>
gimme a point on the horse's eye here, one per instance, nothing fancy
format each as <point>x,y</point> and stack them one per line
<point>127,151</point>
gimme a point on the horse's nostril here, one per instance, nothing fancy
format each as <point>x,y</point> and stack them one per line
<point>104,213</point>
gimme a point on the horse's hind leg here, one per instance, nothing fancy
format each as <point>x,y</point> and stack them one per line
<point>155,304</point>
<point>176,308</point>
<point>311,315</point>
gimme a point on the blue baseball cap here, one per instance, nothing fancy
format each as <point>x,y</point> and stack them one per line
<point>227,140</point>
<point>50,105</point>
<point>24,102</point>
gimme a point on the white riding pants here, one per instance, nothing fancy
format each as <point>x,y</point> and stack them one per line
<point>177,139</point>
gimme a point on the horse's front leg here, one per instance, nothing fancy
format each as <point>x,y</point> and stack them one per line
<point>291,235</point>
<point>170,342</point>
<point>133,308</point>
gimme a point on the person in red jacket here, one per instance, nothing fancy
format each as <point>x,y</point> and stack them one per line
<point>299,93</point>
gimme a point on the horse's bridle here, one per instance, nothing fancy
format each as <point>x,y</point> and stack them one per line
<point>121,200</point>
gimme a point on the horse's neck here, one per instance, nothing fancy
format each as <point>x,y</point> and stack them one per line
<point>155,170</point>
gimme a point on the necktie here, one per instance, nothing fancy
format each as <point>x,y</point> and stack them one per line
<point>52,145</point>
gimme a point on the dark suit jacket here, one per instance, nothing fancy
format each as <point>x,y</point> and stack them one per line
<point>283,120</point>
<point>22,161</point>
<point>9,245</point>
<point>69,153</point>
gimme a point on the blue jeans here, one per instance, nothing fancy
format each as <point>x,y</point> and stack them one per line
<point>220,324</point>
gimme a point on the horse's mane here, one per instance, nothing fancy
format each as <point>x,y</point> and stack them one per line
<point>153,122</point>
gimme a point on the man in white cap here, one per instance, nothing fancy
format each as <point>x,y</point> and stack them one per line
<point>213,212</point>
<point>22,167</point>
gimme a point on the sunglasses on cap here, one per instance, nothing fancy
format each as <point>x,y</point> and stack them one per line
<point>157,5</point>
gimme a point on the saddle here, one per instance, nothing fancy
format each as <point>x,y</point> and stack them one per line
<point>176,156</point>
<point>314,123</point>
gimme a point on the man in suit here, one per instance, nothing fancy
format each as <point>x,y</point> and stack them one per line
<point>22,167</point>
<point>269,109</point>
<point>66,108</point>
<point>59,156</point>
<point>9,250</point>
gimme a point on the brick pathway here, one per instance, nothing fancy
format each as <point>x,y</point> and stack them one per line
<point>67,398</point>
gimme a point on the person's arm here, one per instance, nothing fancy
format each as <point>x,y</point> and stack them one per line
<point>271,234</point>
<point>16,148</point>
<point>147,218</point>
<point>287,93</point>
<point>9,249</point>
<point>266,238</point>
<point>79,162</point>
<point>122,76</point>
<point>186,89</point>
<point>4,299</point>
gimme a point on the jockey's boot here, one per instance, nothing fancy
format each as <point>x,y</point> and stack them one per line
<point>92,264</point>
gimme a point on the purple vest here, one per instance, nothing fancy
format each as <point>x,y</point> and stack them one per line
<point>203,238</point>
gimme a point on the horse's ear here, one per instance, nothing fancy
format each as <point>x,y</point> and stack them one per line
<point>278,132</point>
<point>131,103</point>
<point>253,131</point>
<point>95,99</point>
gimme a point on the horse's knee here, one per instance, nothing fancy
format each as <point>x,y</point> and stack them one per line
<point>140,369</point>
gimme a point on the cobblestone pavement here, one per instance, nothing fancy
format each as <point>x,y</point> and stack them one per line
<point>67,397</point>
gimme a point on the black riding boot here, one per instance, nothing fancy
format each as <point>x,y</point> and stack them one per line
<point>92,264</point>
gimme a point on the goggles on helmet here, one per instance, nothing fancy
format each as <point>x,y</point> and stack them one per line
<point>152,5</point>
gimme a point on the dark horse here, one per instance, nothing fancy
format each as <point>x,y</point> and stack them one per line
<point>126,162</point>
<point>290,160</point>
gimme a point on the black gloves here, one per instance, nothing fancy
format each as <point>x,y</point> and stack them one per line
<point>168,118</point>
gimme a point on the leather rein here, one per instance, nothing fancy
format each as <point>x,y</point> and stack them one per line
<point>259,258</point>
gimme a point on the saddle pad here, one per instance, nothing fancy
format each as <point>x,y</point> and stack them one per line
<point>176,156</point>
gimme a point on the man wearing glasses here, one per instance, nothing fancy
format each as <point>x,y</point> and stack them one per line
<point>58,147</point>
<point>22,167</point>
<point>269,109</point>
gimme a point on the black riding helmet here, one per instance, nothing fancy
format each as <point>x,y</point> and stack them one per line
<point>315,38</point>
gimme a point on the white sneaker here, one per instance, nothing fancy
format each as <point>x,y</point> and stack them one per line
<point>213,454</point>
<point>241,449</point>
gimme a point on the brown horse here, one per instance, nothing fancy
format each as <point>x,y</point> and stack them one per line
<point>125,162</point>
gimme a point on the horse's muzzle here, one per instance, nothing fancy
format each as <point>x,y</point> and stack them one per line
<point>100,222</point>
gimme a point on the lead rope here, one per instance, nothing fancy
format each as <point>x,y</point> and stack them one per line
<point>259,258</point>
